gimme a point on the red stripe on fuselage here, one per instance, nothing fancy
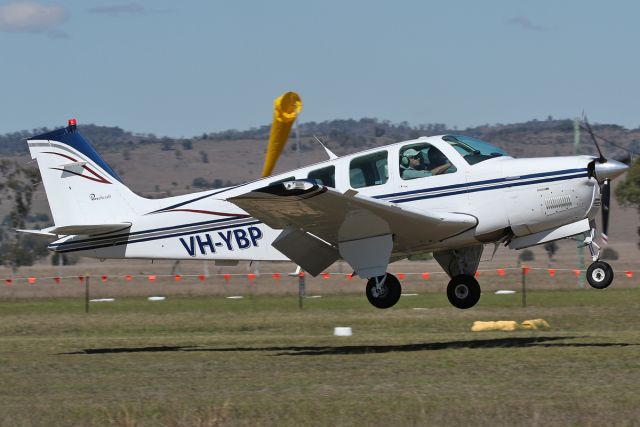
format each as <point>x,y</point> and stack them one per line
<point>208,212</point>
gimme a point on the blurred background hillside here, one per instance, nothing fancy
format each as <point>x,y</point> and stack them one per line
<point>157,166</point>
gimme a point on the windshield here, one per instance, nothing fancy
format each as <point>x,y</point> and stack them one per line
<point>473,150</point>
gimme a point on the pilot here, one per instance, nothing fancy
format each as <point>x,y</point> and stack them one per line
<point>412,164</point>
<point>438,162</point>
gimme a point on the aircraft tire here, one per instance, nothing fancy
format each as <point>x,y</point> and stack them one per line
<point>599,275</point>
<point>390,294</point>
<point>463,291</point>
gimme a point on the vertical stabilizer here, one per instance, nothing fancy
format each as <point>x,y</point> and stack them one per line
<point>82,189</point>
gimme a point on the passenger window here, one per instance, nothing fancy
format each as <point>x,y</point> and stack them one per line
<point>369,170</point>
<point>420,160</point>
<point>325,176</point>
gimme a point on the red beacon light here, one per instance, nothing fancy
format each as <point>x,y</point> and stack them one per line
<point>72,123</point>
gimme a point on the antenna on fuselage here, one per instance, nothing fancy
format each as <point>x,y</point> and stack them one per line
<point>329,152</point>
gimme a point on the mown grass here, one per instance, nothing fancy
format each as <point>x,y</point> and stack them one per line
<point>262,361</point>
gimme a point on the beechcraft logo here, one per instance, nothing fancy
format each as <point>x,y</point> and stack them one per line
<point>94,197</point>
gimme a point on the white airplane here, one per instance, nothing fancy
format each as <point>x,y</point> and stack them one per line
<point>447,194</point>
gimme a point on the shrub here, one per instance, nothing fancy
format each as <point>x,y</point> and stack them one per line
<point>527,256</point>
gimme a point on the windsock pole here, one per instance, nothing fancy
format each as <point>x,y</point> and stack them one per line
<point>286,109</point>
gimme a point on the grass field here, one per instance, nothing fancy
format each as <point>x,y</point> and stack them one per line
<point>263,361</point>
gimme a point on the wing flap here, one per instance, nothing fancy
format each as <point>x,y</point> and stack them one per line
<point>336,217</point>
<point>310,253</point>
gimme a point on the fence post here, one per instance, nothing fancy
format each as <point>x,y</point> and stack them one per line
<point>301,288</point>
<point>86,292</point>
<point>524,286</point>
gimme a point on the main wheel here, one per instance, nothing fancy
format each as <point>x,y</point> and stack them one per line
<point>385,295</point>
<point>599,275</point>
<point>463,291</point>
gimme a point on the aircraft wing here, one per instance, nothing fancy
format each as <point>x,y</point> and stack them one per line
<point>336,217</point>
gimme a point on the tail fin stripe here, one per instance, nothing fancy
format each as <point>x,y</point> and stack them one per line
<point>87,168</point>
<point>99,179</point>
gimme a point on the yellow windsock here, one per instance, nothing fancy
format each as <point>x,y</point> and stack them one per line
<point>286,108</point>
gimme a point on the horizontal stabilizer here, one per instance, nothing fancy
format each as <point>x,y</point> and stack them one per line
<point>43,232</point>
<point>83,230</point>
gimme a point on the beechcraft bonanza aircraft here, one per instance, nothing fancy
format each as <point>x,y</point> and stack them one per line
<point>447,194</point>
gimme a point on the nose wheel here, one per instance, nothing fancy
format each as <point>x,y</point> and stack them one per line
<point>463,291</point>
<point>599,275</point>
<point>383,291</point>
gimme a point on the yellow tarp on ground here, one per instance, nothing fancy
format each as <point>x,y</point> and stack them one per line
<point>535,324</point>
<point>286,109</point>
<point>509,325</point>
<point>500,325</point>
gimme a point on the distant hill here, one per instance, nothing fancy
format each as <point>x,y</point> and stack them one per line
<point>549,137</point>
<point>154,166</point>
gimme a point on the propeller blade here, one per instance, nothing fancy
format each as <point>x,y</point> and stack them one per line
<point>602,159</point>
<point>605,190</point>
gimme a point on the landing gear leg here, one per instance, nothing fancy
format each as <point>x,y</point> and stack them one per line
<point>461,264</point>
<point>463,291</point>
<point>599,273</point>
<point>383,291</point>
<point>594,249</point>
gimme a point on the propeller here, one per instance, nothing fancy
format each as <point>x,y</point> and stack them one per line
<point>603,171</point>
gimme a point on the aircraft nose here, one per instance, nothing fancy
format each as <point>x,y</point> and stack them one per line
<point>609,170</point>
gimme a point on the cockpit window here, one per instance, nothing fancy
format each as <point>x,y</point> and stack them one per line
<point>473,150</point>
<point>420,160</point>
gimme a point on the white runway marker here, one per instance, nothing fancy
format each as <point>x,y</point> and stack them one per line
<point>235,297</point>
<point>103,300</point>
<point>342,331</point>
<point>157,298</point>
<point>505,292</point>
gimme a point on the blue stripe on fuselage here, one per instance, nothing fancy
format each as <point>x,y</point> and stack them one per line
<point>473,184</point>
<point>416,195</point>
<point>491,187</point>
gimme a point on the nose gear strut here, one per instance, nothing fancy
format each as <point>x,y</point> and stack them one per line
<point>593,246</point>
